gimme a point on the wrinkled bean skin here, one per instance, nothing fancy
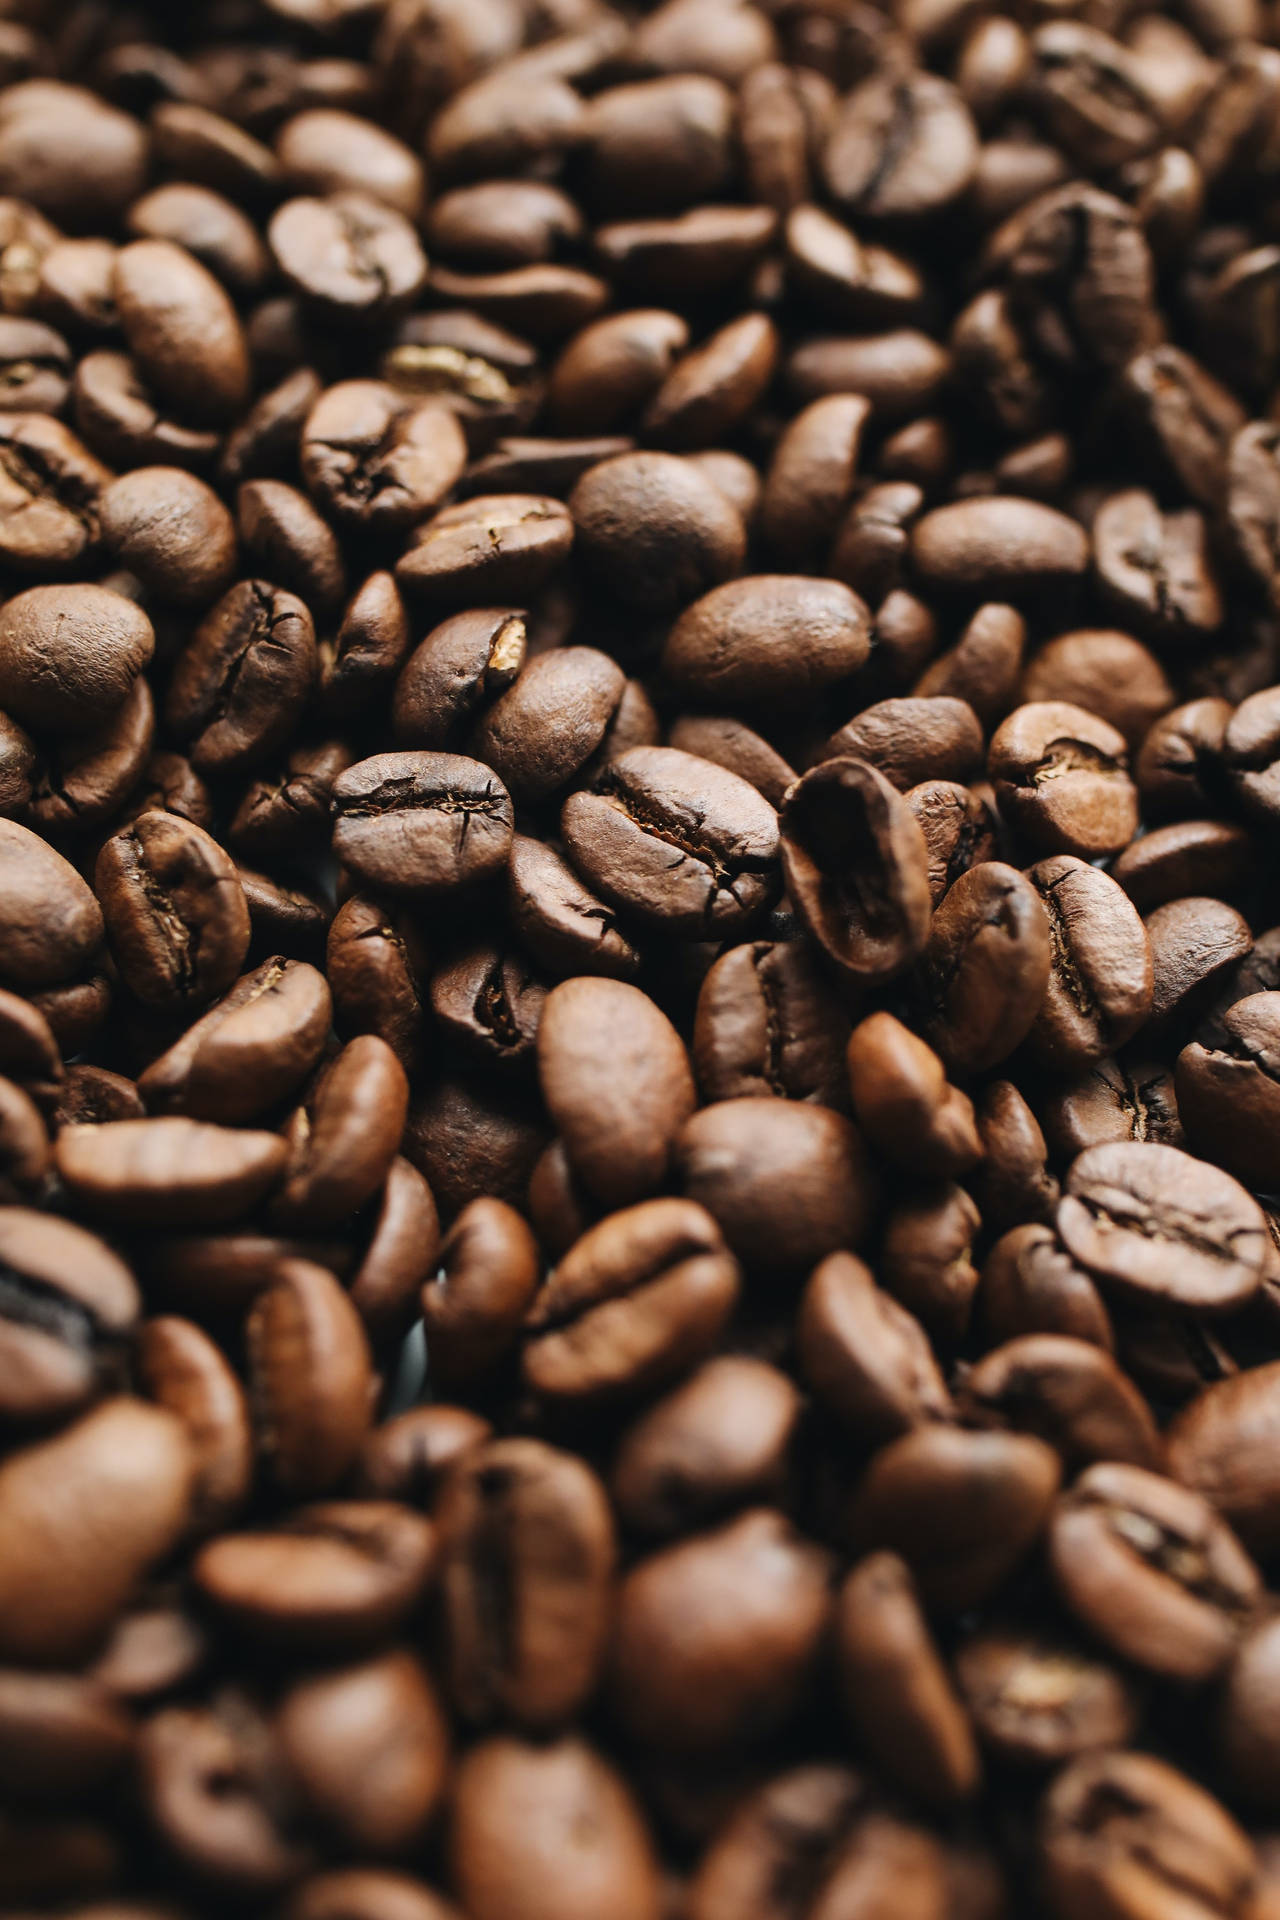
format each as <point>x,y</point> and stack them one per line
<point>639,980</point>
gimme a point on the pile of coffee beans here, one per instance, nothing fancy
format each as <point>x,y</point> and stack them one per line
<point>640,960</point>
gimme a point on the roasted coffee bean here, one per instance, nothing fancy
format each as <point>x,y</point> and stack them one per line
<point>252,1049</point>
<point>421,823</point>
<point>175,911</point>
<point>652,802</point>
<point>332,1577</point>
<point>903,1102</point>
<point>986,967</point>
<point>172,533</point>
<point>182,330</point>
<point>1014,1183</point>
<point>349,255</point>
<point>528,1553</point>
<point>50,488</point>
<point>1038,1701</point>
<point>68,1307</point>
<point>767,638</point>
<point>346,1137</point>
<point>375,459</point>
<point>182,1369</point>
<point>68,152</point>
<point>1069,1393</point>
<point>617,1083</point>
<point>290,542</point>
<point>865,1356</point>
<point>63,1581</point>
<point>897,1693</point>
<point>856,867</point>
<point>786,1180</point>
<point>960,829</point>
<point>1223,1444</point>
<point>1157,1224</point>
<point>167,1172</point>
<point>1004,547</point>
<point>566,928</point>
<point>640,1297</point>
<point>1061,777</point>
<point>1126,1831</point>
<point>752,1603</point>
<point>580,1841</point>
<point>767,1022</point>
<point>69,655</point>
<point>490,1005</point>
<point>1100,987</point>
<point>487,550</point>
<point>654,531</point>
<point>474,1304</point>
<point>721,1440</point>
<point>311,1378</point>
<point>556,722</point>
<point>241,683</point>
<point>906,740</point>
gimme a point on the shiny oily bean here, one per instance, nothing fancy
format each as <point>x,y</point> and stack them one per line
<point>1101,979</point>
<point>311,1378</point>
<point>640,1297</point>
<point>865,1356</point>
<point>327,1578</point>
<point>1126,1833</point>
<point>768,1022</point>
<point>543,732</point>
<point>346,1137</point>
<point>617,1083</point>
<point>421,823</point>
<point>720,1440</point>
<point>786,1180</point>
<point>716,1636</point>
<point>856,866</point>
<point>898,1696</point>
<point>1068,1392</point>
<point>68,1307</point>
<point>527,1566</point>
<point>474,1304</point>
<point>175,911</point>
<point>563,925</point>
<point>926,1257</point>
<point>1151,1569</point>
<point>651,801</point>
<point>1163,1227</point>
<point>767,638</point>
<point>252,1049</point>
<point>984,972</point>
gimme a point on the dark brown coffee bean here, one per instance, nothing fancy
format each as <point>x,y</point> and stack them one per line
<point>346,1137</point>
<point>349,255</point>
<point>488,1002</point>
<point>64,1735</point>
<point>421,823</point>
<point>1223,1444</point>
<point>172,533</point>
<point>582,1841</point>
<point>124,422</point>
<point>903,146</point>
<point>269,434</point>
<point>310,1376</point>
<point>714,387</point>
<point>527,1566</point>
<point>182,330</point>
<point>767,1022</point>
<point>167,1172</point>
<point>1128,1832</point>
<point>820,1835</point>
<point>785,1180</point>
<point>253,1048</point>
<point>285,815</point>
<point>1150,1568</point>
<point>962,1509</point>
<point>903,1103</point>
<point>566,928</point>
<point>719,1441</point>
<point>865,1355</point>
<point>986,967</point>
<point>377,460</point>
<point>1109,674</point>
<point>1030,1284</point>
<point>1194,943</point>
<point>50,923</point>
<point>474,1139</point>
<point>736,747</point>
<point>753,1601</point>
<point>175,911</point>
<point>327,1578</point>
<point>1214,857</point>
<point>62,1582</point>
<point>910,740</point>
<point>1069,1393</point>
<point>551,723</point>
<point>766,639</point>
<point>653,531</point>
<point>1156,1223</point>
<point>68,1306</point>
<point>960,829</point>
<point>1038,1701</point>
<point>1186,417</point>
<point>1008,548</point>
<point>209,226</point>
<point>1101,972</point>
<point>69,655</point>
<point>1178,766</point>
<point>1246,1736</point>
<point>467,661</point>
<point>650,801</point>
<point>856,867</point>
<point>474,1304</point>
<point>1251,754</point>
<point>1061,777</point>
<point>497,224</point>
<point>50,487</point>
<point>1155,568</point>
<point>365,1893</point>
<point>407,1457</point>
<point>898,1696</point>
<point>290,542</point>
<point>35,366</point>
<point>241,683</point>
<point>181,1369</point>
<point>640,1297</point>
<point>69,153</point>
<point>487,550</point>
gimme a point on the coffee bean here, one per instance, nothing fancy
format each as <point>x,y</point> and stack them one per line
<point>580,1838</point>
<point>653,531</point>
<point>331,1578</point>
<point>370,646</point>
<point>1004,546</point>
<point>753,1602</point>
<point>907,739</point>
<point>183,1370</point>
<point>63,1583</point>
<point>856,866</point>
<point>171,531</point>
<point>767,1022</point>
<point>253,1048</point>
<point>50,488</point>
<point>527,1563</point>
<point>174,909</point>
<point>897,1693</point>
<point>1061,777</point>
<point>182,330</point>
<point>1222,1444</point>
<point>960,828</point>
<point>421,823</point>
<point>69,655</point>
<point>1127,1830</point>
<point>487,550</point>
<point>1069,1393</point>
<point>640,1297</point>
<point>350,255</point>
<point>50,924</point>
<point>242,681</point>
<point>767,638</point>
<point>346,1138</point>
<point>558,717</point>
<point>68,152</point>
<point>1038,1701</point>
<point>566,928</point>
<point>290,542</point>
<point>652,801</point>
<point>68,1306</point>
<point>865,1356</point>
<point>986,967</point>
<point>1156,1223</point>
<point>311,1378</point>
<point>1101,972</point>
<point>474,1304</point>
<point>209,226</point>
<point>376,460</point>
